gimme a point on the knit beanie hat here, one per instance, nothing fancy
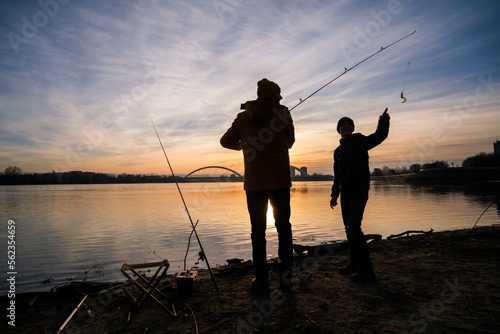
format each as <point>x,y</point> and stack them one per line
<point>342,120</point>
<point>266,88</point>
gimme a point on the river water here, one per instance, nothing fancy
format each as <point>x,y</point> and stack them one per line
<point>86,232</point>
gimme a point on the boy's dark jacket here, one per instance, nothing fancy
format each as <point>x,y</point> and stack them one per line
<point>350,160</point>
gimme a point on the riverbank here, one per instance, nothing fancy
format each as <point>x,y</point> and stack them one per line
<point>444,282</point>
<point>488,176</point>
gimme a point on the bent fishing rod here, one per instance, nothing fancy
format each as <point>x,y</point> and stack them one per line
<point>348,69</point>
<point>185,206</point>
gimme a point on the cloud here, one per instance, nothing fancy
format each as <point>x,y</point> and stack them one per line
<point>79,92</point>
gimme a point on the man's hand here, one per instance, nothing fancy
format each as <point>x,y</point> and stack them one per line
<point>333,203</point>
<point>384,118</point>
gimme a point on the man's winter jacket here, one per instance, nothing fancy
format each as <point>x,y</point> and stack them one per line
<point>265,132</point>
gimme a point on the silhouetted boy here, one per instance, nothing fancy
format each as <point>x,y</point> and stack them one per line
<point>352,182</point>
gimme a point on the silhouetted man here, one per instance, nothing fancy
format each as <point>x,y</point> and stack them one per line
<point>265,133</point>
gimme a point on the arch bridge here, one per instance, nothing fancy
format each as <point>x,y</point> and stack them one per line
<point>209,167</point>
<point>293,169</point>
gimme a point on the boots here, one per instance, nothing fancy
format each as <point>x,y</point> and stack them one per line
<point>286,285</point>
<point>364,274</point>
<point>349,269</point>
<point>261,281</point>
<point>260,286</point>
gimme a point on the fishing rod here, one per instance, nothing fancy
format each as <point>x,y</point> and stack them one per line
<point>348,69</point>
<point>71,315</point>
<point>185,206</point>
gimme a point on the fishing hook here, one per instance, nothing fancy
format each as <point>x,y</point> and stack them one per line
<point>348,69</point>
<point>404,83</point>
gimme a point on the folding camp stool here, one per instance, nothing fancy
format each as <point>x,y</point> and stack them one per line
<point>148,287</point>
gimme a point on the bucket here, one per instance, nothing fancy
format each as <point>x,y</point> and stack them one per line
<point>185,280</point>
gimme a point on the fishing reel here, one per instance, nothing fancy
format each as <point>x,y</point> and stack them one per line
<point>201,257</point>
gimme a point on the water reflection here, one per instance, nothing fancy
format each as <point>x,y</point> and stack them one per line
<point>65,230</point>
<point>482,193</point>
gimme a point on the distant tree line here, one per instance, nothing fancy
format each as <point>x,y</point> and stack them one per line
<point>13,175</point>
<point>482,160</point>
<point>479,160</point>
<point>412,169</point>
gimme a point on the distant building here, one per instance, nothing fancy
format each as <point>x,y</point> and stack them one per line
<point>302,171</point>
<point>496,147</point>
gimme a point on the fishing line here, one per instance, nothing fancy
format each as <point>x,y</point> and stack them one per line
<point>406,76</point>
<point>185,206</point>
<point>404,83</point>
<point>189,243</point>
<point>348,69</point>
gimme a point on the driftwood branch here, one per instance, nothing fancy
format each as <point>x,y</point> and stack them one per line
<point>407,233</point>
<point>335,246</point>
<point>311,249</point>
<point>374,237</point>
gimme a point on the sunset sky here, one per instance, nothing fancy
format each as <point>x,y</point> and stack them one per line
<point>80,77</point>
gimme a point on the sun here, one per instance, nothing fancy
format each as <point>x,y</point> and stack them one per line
<point>270,216</point>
